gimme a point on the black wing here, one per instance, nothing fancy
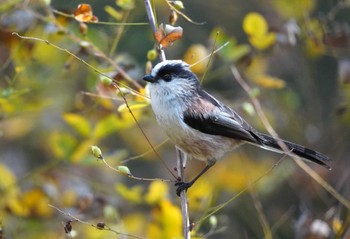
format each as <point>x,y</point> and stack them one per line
<point>226,122</point>
<point>223,122</point>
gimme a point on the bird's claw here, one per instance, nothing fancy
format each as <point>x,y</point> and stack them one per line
<point>182,186</point>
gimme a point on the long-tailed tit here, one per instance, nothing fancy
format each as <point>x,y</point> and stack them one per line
<point>202,126</point>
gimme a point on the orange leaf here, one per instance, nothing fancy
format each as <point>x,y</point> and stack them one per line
<point>167,35</point>
<point>83,13</point>
<point>159,34</point>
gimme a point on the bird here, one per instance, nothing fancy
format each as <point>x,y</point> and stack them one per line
<point>202,126</point>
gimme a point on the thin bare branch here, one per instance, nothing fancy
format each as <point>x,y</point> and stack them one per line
<point>132,176</point>
<point>180,155</point>
<point>183,14</point>
<point>152,23</point>
<point>115,84</point>
<point>105,227</point>
<point>181,163</point>
<point>296,158</point>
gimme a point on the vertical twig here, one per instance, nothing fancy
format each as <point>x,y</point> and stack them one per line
<point>152,22</point>
<point>181,156</point>
<point>181,163</point>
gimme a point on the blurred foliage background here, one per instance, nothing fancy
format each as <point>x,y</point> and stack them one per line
<point>55,104</point>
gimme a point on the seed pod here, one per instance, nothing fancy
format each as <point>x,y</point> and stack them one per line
<point>173,17</point>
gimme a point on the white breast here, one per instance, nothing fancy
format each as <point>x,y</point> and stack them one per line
<point>168,110</point>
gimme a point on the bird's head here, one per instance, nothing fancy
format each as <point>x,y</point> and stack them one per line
<point>172,77</point>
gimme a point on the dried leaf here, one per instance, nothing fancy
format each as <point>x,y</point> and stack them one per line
<point>159,34</point>
<point>167,35</point>
<point>83,13</point>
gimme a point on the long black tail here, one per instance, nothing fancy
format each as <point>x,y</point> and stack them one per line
<point>297,149</point>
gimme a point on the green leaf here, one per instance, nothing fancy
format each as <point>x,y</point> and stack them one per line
<point>106,126</point>
<point>126,5</point>
<point>62,144</point>
<point>79,123</point>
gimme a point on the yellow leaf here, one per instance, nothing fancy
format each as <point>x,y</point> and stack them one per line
<point>126,5</point>
<point>264,41</point>
<point>113,13</point>
<point>258,66</point>
<point>61,144</point>
<point>17,207</point>
<point>82,150</point>
<point>113,123</point>
<point>132,106</point>
<point>131,194</point>
<point>167,221</point>
<point>291,9</point>
<point>79,123</point>
<point>200,195</point>
<point>238,172</point>
<point>157,191</point>
<point>195,53</point>
<point>8,179</point>
<point>37,202</point>
<point>135,223</point>
<point>106,126</point>
<point>269,82</point>
<point>254,24</point>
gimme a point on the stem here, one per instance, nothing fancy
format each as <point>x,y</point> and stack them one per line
<point>296,158</point>
<point>181,163</point>
<point>181,156</point>
<point>152,22</point>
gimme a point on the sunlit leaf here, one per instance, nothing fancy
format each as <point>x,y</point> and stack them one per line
<point>132,106</point>
<point>264,41</point>
<point>131,194</point>
<point>112,123</point>
<point>135,222</point>
<point>126,4</point>
<point>256,27</point>
<point>254,24</point>
<point>233,51</point>
<point>106,126</point>
<point>157,191</point>
<point>82,150</point>
<point>269,81</point>
<point>166,221</point>
<point>78,122</point>
<point>8,179</point>
<point>37,201</point>
<point>16,206</point>
<point>199,196</point>
<point>195,53</point>
<point>83,13</point>
<point>291,9</point>
<point>61,144</point>
<point>113,13</point>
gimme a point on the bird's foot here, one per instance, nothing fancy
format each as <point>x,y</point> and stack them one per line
<point>182,186</point>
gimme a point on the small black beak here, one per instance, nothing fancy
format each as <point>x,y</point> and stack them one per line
<point>149,78</point>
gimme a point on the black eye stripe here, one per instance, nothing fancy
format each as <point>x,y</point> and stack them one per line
<point>167,72</point>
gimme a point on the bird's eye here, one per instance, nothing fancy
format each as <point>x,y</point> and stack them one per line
<point>167,77</point>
